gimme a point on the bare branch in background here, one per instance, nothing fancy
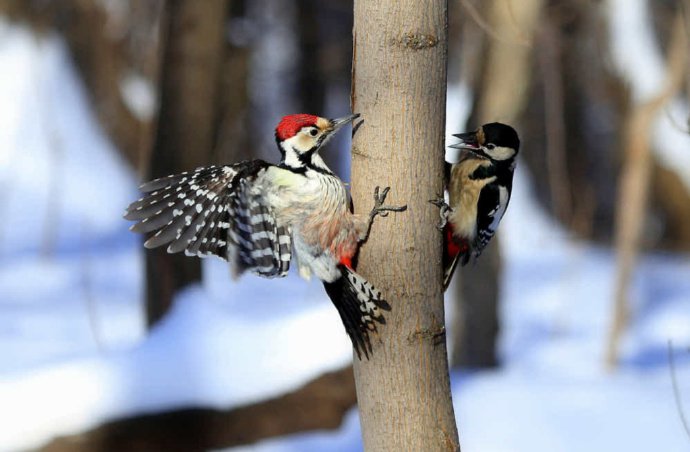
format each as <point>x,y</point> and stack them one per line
<point>518,39</point>
<point>320,404</point>
<point>685,9</point>
<point>634,187</point>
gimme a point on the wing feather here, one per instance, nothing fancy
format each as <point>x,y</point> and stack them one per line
<point>215,211</point>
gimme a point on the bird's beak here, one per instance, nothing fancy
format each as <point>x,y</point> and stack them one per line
<point>339,122</point>
<point>468,140</point>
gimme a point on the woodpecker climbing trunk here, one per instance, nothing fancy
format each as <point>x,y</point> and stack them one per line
<point>399,87</point>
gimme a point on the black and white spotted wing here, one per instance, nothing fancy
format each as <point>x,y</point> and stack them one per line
<point>493,202</point>
<point>261,246</point>
<point>215,211</point>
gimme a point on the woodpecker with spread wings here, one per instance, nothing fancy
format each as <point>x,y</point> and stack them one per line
<point>262,217</point>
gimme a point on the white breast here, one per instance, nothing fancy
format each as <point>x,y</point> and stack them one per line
<point>308,203</point>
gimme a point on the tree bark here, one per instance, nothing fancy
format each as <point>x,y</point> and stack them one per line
<point>189,83</point>
<point>399,87</point>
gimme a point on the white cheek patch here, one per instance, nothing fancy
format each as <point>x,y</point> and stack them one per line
<point>500,153</point>
<point>299,143</point>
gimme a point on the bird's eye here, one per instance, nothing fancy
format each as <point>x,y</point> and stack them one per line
<point>313,132</point>
<point>490,146</point>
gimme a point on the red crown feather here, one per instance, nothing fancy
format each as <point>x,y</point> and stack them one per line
<point>291,124</point>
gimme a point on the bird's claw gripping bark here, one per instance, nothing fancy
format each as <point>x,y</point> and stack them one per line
<point>444,210</point>
<point>379,208</point>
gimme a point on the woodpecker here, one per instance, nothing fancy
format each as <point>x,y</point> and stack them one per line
<point>479,188</point>
<point>259,217</point>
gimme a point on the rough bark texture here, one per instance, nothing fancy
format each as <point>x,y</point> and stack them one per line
<point>185,138</point>
<point>320,404</point>
<point>399,86</point>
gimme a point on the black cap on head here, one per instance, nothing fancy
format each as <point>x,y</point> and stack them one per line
<point>500,135</point>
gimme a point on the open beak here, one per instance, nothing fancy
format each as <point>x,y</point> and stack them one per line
<point>468,140</point>
<point>339,122</point>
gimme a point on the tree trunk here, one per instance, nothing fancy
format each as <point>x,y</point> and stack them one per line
<point>399,86</point>
<point>193,46</point>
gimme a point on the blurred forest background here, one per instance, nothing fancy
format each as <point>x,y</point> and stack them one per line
<point>178,84</point>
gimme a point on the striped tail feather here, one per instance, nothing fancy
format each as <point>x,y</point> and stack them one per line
<point>359,304</point>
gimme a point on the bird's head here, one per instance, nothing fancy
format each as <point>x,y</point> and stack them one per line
<point>300,137</point>
<point>496,141</point>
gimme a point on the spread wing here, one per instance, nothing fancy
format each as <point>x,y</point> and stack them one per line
<point>215,211</point>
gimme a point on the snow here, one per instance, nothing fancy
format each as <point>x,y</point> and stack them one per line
<point>62,183</point>
<point>74,351</point>
<point>458,103</point>
<point>139,95</point>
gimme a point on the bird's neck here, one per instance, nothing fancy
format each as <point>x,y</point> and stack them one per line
<point>303,161</point>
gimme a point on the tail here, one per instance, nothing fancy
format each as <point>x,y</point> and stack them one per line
<point>359,304</point>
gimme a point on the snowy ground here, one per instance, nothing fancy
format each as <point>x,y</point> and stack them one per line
<point>73,351</point>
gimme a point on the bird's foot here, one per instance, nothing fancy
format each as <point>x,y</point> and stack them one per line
<point>444,210</point>
<point>379,208</point>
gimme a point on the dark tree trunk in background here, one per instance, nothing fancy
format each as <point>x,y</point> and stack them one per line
<point>572,176</point>
<point>324,62</point>
<point>399,86</point>
<point>311,86</point>
<point>319,404</point>
<point>193,45</point>
<point>235,126</point>
<point>502,84</point>
<point>476,324</point>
